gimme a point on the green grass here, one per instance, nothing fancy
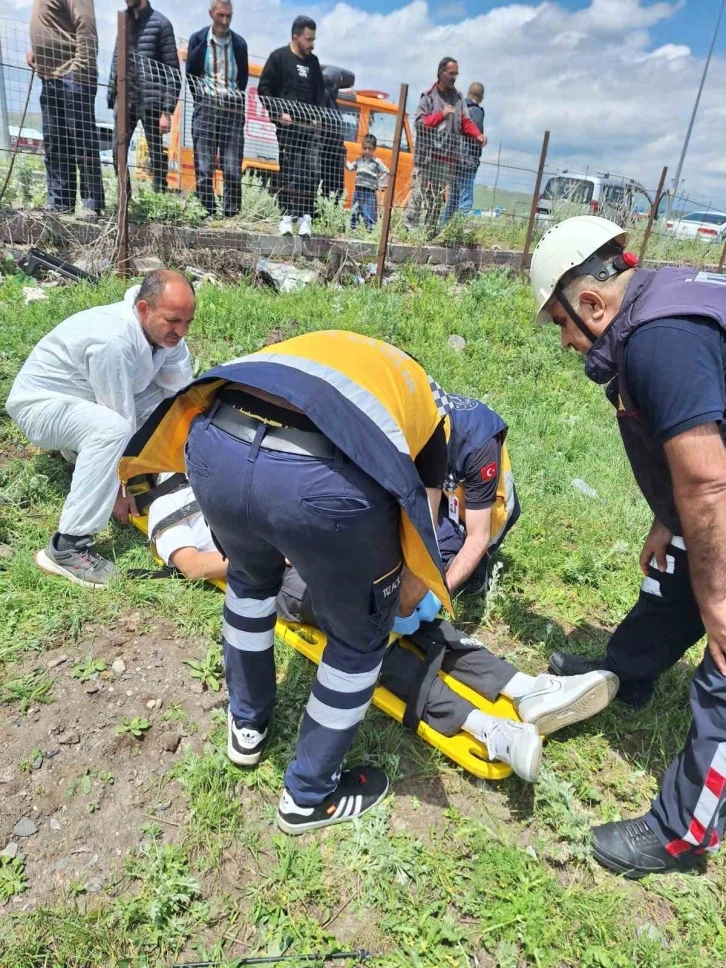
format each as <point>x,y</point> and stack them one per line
<point>446,869</point>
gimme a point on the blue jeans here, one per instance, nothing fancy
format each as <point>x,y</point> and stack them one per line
<point>461,194</point>
<point>218,131</point>
<point>365,206</point>
<point>70,142</point>
<point>341,530</point>
<point>466,191</point>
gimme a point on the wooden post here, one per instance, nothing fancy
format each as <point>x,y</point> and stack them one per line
<point>390,190</point>
<point>653,213</point>
<point>535,199</point>
<point>122,146</point>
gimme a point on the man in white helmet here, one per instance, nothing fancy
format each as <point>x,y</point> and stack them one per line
<point>658,340</point>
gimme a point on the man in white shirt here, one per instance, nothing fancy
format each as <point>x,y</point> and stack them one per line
<point>85,389</point>
<point>181,537</point>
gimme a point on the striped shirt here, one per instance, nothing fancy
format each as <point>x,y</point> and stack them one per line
<point>220,66</point>
<point>369,172</point>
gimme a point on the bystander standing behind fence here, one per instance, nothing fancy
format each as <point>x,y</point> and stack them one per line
<point>282,148</point>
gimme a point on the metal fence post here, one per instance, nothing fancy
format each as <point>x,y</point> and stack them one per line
<point>390,190</point>
<point>653,213</point>
<point>535,198</point>
<point>122,146</point>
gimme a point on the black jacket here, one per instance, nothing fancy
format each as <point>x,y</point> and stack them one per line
<point>279,81</point>
<point>150,38</point>
<point>197,52</point>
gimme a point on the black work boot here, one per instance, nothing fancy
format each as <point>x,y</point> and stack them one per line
<point>633,694</point>
<point>630,848</point>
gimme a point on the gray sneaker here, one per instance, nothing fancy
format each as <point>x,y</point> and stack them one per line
<point>82,565</point>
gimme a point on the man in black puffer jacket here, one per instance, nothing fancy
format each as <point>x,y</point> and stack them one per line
<point>154,81</point>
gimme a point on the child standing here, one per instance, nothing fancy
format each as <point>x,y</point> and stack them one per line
<point>370,175</point>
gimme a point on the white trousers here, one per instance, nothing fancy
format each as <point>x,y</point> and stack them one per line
<point>98,436</point>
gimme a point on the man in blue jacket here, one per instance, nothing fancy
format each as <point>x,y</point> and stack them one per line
<point>217,70</point>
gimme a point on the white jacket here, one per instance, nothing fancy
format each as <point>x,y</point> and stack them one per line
<point>100,355</point>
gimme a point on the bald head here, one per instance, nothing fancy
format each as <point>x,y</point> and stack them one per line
<point>476,92</point>
<point>165,304</point>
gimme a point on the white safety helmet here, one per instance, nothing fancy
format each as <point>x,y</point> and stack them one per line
<point>564,246</point>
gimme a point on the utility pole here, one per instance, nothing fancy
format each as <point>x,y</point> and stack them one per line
<point>677,176</point>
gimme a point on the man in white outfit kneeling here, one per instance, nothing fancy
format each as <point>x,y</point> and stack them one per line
<point>85,389</point>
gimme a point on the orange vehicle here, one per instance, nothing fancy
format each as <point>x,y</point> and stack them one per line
<point>364,112</point>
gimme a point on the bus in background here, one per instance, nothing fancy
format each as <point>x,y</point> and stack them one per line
<point>364,112</point>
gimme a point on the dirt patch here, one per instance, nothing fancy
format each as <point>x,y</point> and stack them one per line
<point>86,789</point>
<point>11,450</point>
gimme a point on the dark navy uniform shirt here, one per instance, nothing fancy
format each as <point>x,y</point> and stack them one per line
<point>687,354</point>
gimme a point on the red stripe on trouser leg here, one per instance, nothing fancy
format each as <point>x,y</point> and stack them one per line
<point>715,782</point>
<point>697,831</point>
<point>678,846</point>
<point>713,842</point>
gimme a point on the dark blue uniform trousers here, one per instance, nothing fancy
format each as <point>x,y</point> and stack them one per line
<point>341,529</point>
<point>665,622</point>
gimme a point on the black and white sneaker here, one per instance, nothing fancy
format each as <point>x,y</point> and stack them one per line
<point>244,745</point>
<point>359,790</point>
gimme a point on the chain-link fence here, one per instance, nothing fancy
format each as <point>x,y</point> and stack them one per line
<point>209,153</point>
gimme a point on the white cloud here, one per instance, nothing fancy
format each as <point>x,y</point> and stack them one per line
<point>592,76</point>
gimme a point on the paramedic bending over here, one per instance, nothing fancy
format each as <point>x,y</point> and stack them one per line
<point>85,389</point>
<point>324,450</point>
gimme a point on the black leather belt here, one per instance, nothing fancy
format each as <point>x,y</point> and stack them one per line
<point>284,439</point>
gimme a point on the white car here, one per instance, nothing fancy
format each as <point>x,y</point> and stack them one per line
<point>706,226</point>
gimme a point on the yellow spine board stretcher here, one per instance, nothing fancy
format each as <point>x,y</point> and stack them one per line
<point>463,749</point>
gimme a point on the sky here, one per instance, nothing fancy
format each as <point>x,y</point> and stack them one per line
<point>613,80</point>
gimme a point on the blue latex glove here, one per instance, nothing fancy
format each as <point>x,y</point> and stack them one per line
<point>407,624</point>
<point>428,608</point>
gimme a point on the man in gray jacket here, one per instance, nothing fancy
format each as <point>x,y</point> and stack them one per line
<point>442,120</point>
<point>64,50</point>
<point>154,81</point>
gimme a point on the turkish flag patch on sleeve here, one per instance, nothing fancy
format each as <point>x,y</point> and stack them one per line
<point>489,472</point>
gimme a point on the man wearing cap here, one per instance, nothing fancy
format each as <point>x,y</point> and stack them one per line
<point>657,339</point>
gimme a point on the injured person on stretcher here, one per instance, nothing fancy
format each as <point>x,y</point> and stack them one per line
<point>545,703</point>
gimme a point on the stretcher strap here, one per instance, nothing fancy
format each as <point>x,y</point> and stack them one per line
<point>174,483</point>
<point>181,514</point>
<point>430,667</point>
<point>153,573</point>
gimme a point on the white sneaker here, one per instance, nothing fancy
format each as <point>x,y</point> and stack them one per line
<point>558,701</point>
<point>285,226</point>
<point>305,225</point>
<point>244,745</point>
<point>517,744</point>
